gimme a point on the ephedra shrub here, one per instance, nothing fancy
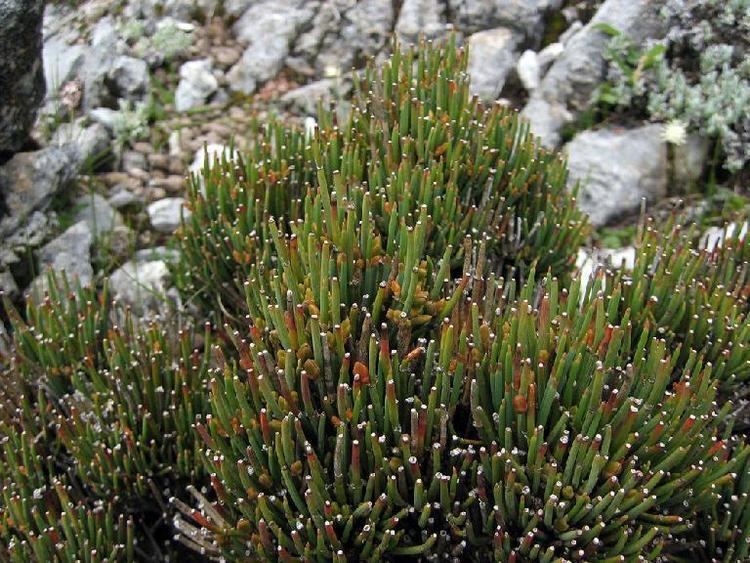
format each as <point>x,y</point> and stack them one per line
<point>393,389</point>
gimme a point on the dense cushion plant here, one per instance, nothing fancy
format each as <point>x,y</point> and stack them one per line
<point>401,364</point>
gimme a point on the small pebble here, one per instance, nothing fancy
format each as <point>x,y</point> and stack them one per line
<point>138,174</point>
<point>158,160</point>
<point>143,147</point>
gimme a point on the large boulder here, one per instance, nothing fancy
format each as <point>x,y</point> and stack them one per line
<point>567,88</point>
<point>22,85</point>
<point>617,169</point>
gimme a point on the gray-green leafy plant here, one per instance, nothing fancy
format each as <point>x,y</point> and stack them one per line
<point>130,122</point>
<point>166,43</point>
<point>699,75</point>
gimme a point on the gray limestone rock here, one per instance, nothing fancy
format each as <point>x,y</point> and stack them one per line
<point>105,116</point>
<point>75,242</point>
<point>96,73</point>
<point>165,214</point>
<point>29,181</point>
<point>426,17</point>
<point>526,16</point>
<point>269,28</point>
<point>183,10</point>
<point>492,56</point>
<point>8,285</point>
<point>133,160</point>
<point>69,252</point>
<point>196,84</point>
<point>141,284</point>
<point>92,142</point>
<point>121,197</point>
<point>528,69</point>
<point>35,230</point>
<point>305,99</point>
<point>62,62</point>
<point>690,161</point>
<point>129,78</point>
<point>617,168</point>
<point>235,8</point>
<point>343,34</point>
<point>547,119</point>
<point>98,215</point>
